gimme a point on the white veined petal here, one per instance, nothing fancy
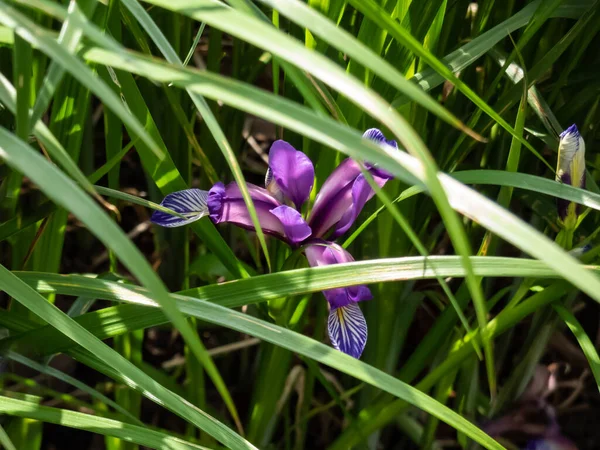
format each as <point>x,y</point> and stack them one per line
<point>571,157</point>
<point>347,329</point>
<point>191,203</point>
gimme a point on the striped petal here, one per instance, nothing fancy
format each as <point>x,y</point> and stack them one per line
<point>570,170</point>
<point>191,203</point>
<point>347,329</point>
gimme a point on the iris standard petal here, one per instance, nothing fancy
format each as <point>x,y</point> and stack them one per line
<point>345,192</point>
<point>226,205</point>
<point>292,171</point>
<point>571,167</point>
<point>347,329</point>
<point>191,203</point>
<point>324,253</point>
<point>361,194</point>
<point>334,197</point>
<point>295,227</point>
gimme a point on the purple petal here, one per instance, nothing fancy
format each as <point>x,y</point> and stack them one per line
<point>226,204</point>
<point>361,194</point>
<point>295,227</point>
<point>342,198</point>
<point>347,330</point>
<point>191,203</point>
<point>323,253</point>
<point>334,198</point>
<point>292,171</point>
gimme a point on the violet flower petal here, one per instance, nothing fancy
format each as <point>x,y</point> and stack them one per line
<point>345,192</point>
<point>295,227</point>
<point>361,194</point>
<point>334,197</point>
<point>292,171</point>
<point>347,330</point>
<point>323,253</point>
<point>226,205</point>
<point>191,203</point>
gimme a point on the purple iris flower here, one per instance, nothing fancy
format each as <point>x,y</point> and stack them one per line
<point>288,183</point>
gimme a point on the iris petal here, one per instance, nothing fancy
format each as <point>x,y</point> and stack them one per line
<point>347,329</point>
<point>361,194</point>
<point>376,135</point>
<point>324,253</point>
<point>295,227</point>
<point>226,205</point>
<point>334,197</point>
<point>191,203</point>
<point>345,192</point>
<point>292,170</point>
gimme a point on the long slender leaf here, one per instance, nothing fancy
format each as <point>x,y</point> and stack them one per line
<point>66,193</point>
<point>101,425</point>
<point>586,344</point>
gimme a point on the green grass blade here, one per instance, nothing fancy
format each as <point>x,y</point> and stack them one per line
<point>319,24</point>
<point>72,381</point>
<point>22,25</point>
<point>5,440</point>
<point>69,37</point>
<point>66,193</point>
<point>254,290</point>
<point>109,427</point>
<point>326,355</point>
<point>134,199</point>
<point>210,119</point>
<point>376,13</point>
<point>518,180</point>
<point>295,282</point>
<point>586,344</point>
<point>134,376</point>
<point>461,58</point>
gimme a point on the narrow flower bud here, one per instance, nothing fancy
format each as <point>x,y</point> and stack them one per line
<point>570,170</point>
